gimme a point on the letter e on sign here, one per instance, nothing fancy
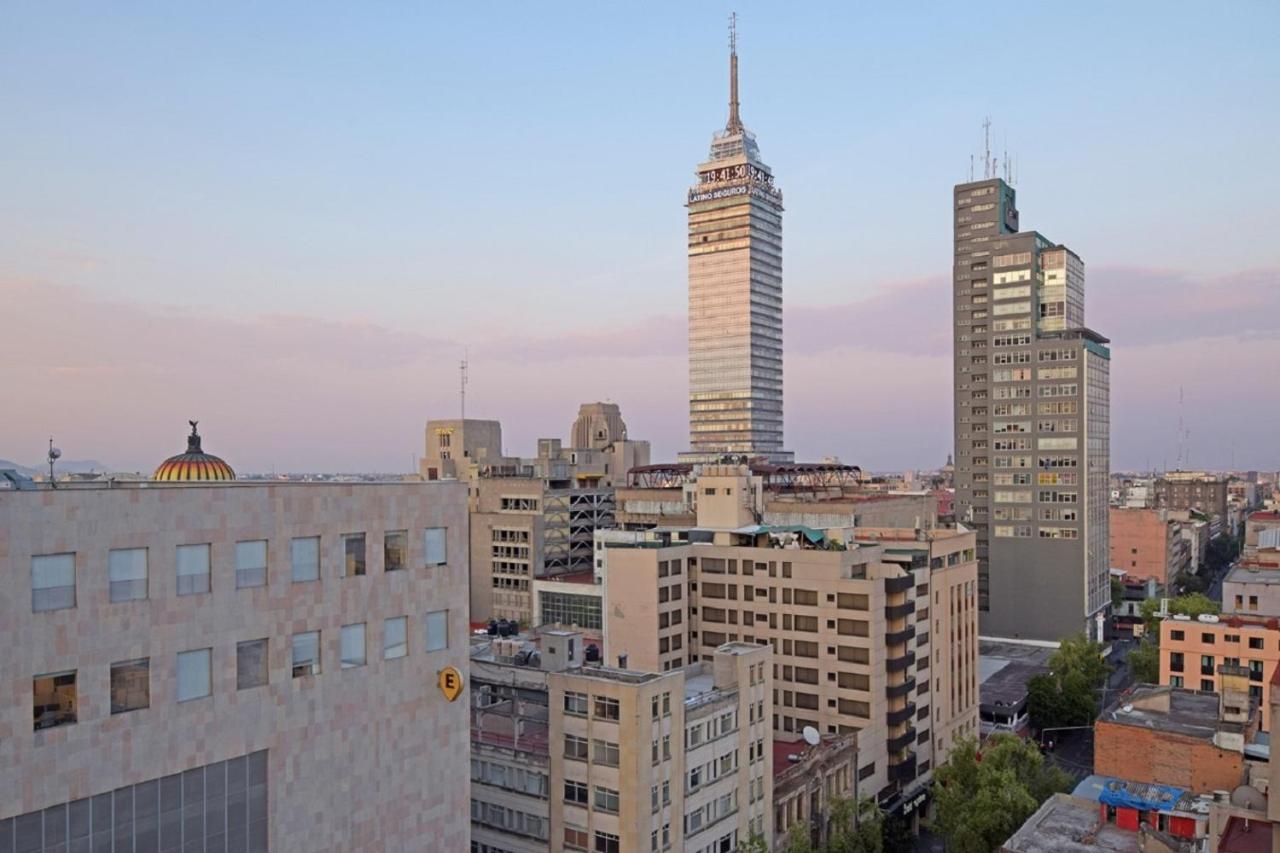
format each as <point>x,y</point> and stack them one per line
<point>450,683</point>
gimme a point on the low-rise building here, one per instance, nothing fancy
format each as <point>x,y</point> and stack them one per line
<point>1004,671</point>
<point>1186,490</point>
<point>1066,823</point>
<point>1255,527</point>
<point>806,778</point>
<point>1147,543</point>
<point>1193,651</point>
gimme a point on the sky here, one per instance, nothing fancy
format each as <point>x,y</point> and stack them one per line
<point>291,221</point>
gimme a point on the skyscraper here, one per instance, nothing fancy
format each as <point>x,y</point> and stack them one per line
<point>735,297</point>
<point>1032,422</point>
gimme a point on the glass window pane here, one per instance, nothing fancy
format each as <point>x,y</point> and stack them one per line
<point>193,569</point>
<point>306,654</point>
<point>306,559</point>
<point>395,637</point>
<point>352,555</point>
<point>251,664</point>
<point>434,539</point>
<point>127,574</point>
<point>130,685</point>
<point>352,646</point>
<point>53,582</point>
<point>395,550</point>
<point>54,699</point>
<point>193,674</point>
<point>251,563</point>
<point>437,630</point>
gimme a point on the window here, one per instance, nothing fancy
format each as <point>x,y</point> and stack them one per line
<point>436,549</point>
<point>1175,681</point>
<point>251,664</point>
<point>353,555</point>
<point>54,699</point>
<point>606,708</point>
<point>306,654</point>
<point>575,703</point>
<point>1177,635</point>
<point>437,630</point>
<point>1206,665</point>
<point>127,574</point>
<point>575,839</point>
<point>395,637</point>
<point>1207,639</point>
<point>1206,684</point>
<point>251,563</point>
<point>194,674</point>
<point>193,569</point>
<point>305,555</point>
<point>53,582</point>
<point>606,800</point>
<point>1255,642</point>
<point>575,792</point>
<point>1175,662</point>
<point>606,842</point>
<point>604,753</point>
<point>130,685</point>
<point>575,748</point>
<point>352,642</point>
<point>395,545</point>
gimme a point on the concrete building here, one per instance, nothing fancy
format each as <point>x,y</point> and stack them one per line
<point>1193,652</point>
<point>1066,823</point>
<point>735,298</point>
<point>1253,586</point>
<point>232,665</point>
<point>1147,543</point>
<point>807,778</point>
<point>1004,671</point>
<point>1032,423</point>
<point>1186,490</point>
<point>1255,531</point>
<point>569,754</point>
<point>872,630</point>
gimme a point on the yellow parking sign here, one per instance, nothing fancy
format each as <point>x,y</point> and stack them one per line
<point>450,683</point>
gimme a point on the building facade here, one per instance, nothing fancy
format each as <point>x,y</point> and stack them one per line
<point>1188,490</point>
<point>1194,651</point>
<point>735,298</point>
<point>872,630</point>
<point>240,666</point>
<point>1032,423</point>
<point>1148,544</point>
<point>575,755</point>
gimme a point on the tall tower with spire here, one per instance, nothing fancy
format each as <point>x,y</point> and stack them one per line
<point>735,296</point>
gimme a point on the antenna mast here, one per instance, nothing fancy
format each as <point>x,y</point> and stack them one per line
<point>462,388</point>
<point>735,119</point>
<point>986,148</point>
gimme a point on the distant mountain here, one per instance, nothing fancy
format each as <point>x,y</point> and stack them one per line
<point>63,466</point>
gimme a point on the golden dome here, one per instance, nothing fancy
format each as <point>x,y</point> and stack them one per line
<point>194,465</point>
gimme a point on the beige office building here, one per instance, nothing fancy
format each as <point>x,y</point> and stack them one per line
<point>232,665</point>
<point>873,630</point>
<point>570,754</point>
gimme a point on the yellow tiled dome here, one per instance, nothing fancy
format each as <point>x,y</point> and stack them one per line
<point>194,465</point>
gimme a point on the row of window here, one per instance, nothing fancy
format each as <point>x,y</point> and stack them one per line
<point>55,701</point>
<point>53,576</point>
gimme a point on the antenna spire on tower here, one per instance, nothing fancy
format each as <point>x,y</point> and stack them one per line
<point>462,388</point>
<point>735,120</point>
<point>986,148</point>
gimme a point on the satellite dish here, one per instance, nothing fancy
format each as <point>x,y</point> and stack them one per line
<point>1248,797</point>
<point>811,736</point>
<point>54,453</point>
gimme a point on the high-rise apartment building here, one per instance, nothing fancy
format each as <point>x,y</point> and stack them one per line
<point>242,666</point>
<point>568,754</point>
<point>872,630</point>
<point>1032,423</point>
<point>735,297</point>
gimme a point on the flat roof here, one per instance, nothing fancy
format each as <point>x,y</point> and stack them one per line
<point>1191,713</point>
<point>1245,574</point>
<point>1246,836</point>
<point>1067,824</point>
<point>1004,670</point>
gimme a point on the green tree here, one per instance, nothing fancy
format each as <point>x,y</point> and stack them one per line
<point>798,840</point>
<point>856,827</point>
<point>754,844</point>
<point>1067,695</point>
<point>898,836</point>
<point>1117,594</point>
<point>1144,662</point>
<point>1193,605</point>
<point>981,797</point>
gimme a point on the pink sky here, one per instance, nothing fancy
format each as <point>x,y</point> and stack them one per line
<point>867,380</point>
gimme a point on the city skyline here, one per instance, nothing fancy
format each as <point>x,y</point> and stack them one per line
<point>152,275</point>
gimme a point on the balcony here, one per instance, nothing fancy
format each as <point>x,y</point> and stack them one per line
<point>896,691</point>
<point>902,715</point>
<point>897,638</point>
<point>903,772</point>
<point>899,611</point>
<point>896,585</point>
<point>898,664</point>
<point>902,741</point>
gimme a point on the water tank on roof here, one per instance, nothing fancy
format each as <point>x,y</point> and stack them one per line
<point>1208,617</point>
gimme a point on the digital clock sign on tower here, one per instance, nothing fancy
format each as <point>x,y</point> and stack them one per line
<point>735,298</point>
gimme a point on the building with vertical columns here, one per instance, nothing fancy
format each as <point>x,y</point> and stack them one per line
<point>571,754</point>
<point>873,630</point>
<point>232,665</point>
<point>1032,423</point>
<point>735,297</point>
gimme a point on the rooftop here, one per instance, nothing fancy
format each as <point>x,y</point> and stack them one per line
<point>1066,824</point>
<point>1245,836</point>
<point>1253,574</point>
<point>1005,668</point>
<point>1265,515</point>
<point>1174,710</point>
<point>584,577</point>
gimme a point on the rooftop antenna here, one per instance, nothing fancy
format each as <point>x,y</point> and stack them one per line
<point>986,147</point>
<point>735,120</point>
<point>970,168</point>
<point>462,388</point>
<point>1007,175</point>
<point>54,453</point>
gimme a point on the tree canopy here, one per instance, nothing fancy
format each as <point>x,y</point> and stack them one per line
<point>1144,662</point>
<point>982,795</point>
<point>856,827</point>
<point>1193,605</point>
<point>1068,694</point>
